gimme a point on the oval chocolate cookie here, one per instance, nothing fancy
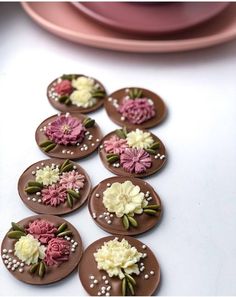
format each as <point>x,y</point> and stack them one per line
<point>135,107</point>
<point>41,249</point>
<point>126,206</point>
<point>137,152</point>
<point>54,186</point>
<point>119,266</point>
<point>69,135</point>
<point>76,93</point>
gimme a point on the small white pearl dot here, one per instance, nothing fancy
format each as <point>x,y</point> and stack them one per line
<point>95,281</point>
<point>92,286</point>
<point>104,277</point>
<point>21,270</point>
<point>152,272</point>
<point>107,282</point>
<point>92,277</point>
<point>146,276</point>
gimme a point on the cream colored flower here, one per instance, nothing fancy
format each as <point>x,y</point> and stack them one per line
<point>83,83</point>
<point>29,250</point>
<point>82,98</point>
<point>47,175</point>
<point>117,257</point>
<point>124,198</point>
<point>139,139</point>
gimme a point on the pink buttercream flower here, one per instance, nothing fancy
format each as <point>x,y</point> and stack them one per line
<point>137,111</point>
<point>65,130</point>
<point>42,230</point>
<point>72,180</point>
<point>58,251</point>
<point>64,87</point>
<point>115,145</point>
<point>53,195</point>
<point>135,160</point>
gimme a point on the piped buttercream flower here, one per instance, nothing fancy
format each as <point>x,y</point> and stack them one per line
<point>58,251</point>
<point>64,87</point>
<point>135,160</point>
<point>65,130</point>
<point>53,195</point>
<point>138,110</point>
<point>29,250</point>
<point>139,139</point>
<point>124,198</point>
<point>42,230</point>
<point>82,98</point>
<point>115,145</point>
<point>83,83</point>
<point>118,257</point>
<point>72,180</point>
<point>47,175</point>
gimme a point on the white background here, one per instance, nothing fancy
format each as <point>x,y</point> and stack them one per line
<point>195,243</point>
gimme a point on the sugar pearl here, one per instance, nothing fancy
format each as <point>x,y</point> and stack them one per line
<point>144,246</point>
<point>92,277</point>
<point>21,270</point>
<point>95,281</point>
<point>146,276</point>
<point>97,195</point>
<point>108,288</point>
<point>22,264</point>
<point>152,272</point>
<point>4,251</point>
<point>106,282</point>
<point>14,261</point>
<point>104,277</point>
<point>92,286</point>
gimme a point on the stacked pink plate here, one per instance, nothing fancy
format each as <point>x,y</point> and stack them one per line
<point>138,26</point>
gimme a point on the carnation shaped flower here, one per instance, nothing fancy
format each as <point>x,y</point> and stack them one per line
<point>64,87</point>
<point>82,98</point>
<point>42,230</point>
<point>58,251</point>
<point>47,175</point>
<point>65,130</point>
<point>29,250</point>
<point>139,139</point>
<point>84,83</point>
<point>124,198</point>
<point>118,257</point>
<point>54,195</point>
<point>135,160</point>
<point>72,180</point>
<point>115,145</point>
<point>138,110</point>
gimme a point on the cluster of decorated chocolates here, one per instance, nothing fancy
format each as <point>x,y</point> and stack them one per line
<point>123,205</point>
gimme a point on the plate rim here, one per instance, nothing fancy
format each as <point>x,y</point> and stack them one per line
<point>154,46</point>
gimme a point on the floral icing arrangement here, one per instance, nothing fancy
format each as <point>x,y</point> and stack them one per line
<point>38,246</point>
<point>119,259</point>
<point>125,200</point>
<point>136,108</point>
<point>76,90</point>
<point>132,150</point>
<point>55,185</point>
<point>65,130</point>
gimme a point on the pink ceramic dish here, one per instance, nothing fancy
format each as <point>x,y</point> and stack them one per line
<point>78,28</point>
<point>151,18</point>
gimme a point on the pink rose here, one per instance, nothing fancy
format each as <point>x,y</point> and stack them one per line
<point>64,87</point>
<point>42,230</point>
<point>58,251</point>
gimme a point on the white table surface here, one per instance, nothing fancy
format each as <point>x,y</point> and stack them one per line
<point>195,242</point>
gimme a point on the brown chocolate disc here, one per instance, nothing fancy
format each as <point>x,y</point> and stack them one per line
<point>89,144</point>
<point>158,157</point>
<point>146,282</point>
<point>114,100</point>
<point>110,222</point>
<point>34,200</point>
<point>52,273</point>
<point>59,101</point>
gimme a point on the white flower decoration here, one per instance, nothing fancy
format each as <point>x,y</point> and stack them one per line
<point>117,257</point>
<point>29,250</point>
<point>139,139</point>
<point>84,83</point>
<point>82,98</point>
<point>124,198</point>
<point>47,175</point>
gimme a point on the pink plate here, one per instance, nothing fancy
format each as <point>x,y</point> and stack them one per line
<point>151,18</point>
<point>62,19</point>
